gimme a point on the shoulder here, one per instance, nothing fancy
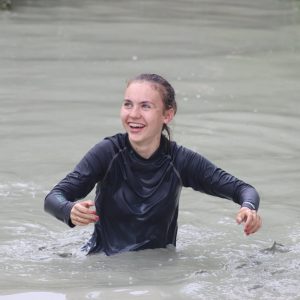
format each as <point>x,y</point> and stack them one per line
<point>108,147</point>
<point>117,141</point>
<point>181,152</point>
<point>185,158</point>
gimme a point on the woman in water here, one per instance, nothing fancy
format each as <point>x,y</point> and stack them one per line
<point>139,175</point>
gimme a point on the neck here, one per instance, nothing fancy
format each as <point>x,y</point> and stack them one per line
<point>146,150</point>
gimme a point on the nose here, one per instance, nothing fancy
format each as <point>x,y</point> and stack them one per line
<point>135,112</point>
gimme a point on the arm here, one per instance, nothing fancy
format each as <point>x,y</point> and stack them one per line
<point>248,211</point>
<point>201,175</point>
<point>61,201</point>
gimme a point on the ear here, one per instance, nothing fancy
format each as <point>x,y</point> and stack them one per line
<point>168,116</point>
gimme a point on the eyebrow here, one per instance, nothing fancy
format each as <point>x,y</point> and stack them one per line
<point>142,102</point>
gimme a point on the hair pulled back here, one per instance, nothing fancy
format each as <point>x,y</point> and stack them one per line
<point>166,91</point>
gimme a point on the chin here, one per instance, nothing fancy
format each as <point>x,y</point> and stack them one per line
<point>135,138</point>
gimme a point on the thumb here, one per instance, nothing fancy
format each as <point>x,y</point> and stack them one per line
<point>88,203</point>
<point>240,217</point>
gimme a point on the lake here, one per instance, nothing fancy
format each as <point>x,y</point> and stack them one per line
<point>235,66</point>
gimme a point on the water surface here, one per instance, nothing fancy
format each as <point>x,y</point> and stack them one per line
<point>235,67</point>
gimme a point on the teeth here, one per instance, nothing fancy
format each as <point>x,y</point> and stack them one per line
<point>136,125</point>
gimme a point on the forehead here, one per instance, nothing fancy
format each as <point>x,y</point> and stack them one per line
<point>143,91</point>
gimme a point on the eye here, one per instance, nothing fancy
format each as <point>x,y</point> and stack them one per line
<point>146,106</point>
<point>127,104</point>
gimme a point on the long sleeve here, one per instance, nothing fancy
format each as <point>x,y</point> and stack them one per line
<point>200,174</point>
<point>79,183</point>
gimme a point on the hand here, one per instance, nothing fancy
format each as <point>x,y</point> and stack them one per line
<point>251,219</point>
<point>81,214</point>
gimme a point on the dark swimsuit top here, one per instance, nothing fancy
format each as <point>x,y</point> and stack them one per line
<point>136,198</point>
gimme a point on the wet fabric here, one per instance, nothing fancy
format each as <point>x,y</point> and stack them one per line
<point>137,199</point>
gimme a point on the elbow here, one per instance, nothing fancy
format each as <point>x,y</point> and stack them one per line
<point>46,203</point>
<point>58,206</point>
<point>49,203</point>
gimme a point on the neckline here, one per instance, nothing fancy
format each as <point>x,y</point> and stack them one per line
<point>156,154</point>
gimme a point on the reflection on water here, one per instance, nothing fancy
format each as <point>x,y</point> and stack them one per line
<point>235,68</point>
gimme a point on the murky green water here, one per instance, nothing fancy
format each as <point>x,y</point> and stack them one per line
<point>235,66</point>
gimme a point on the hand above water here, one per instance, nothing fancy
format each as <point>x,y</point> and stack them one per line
<point>251,219</point>
<point>82,214</point>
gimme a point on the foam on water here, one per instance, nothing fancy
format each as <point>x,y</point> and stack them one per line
<point>203,254</point>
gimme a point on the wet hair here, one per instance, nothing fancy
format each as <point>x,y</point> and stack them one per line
<point>166,91</point>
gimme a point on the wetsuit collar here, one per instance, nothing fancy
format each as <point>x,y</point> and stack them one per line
<point>161,150</point>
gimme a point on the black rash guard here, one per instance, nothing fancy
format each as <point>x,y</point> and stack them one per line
<point>136,198</point>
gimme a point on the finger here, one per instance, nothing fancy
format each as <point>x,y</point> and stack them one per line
<point>88,203</point>
<point>254,229</point>
<point>240,217</point>
<point>80,222</point>
<point>82,210</point>
<point>82,216</point>
<point>254,225</point>
<point>84,207</point>
<point>85,214</point>
<point>250,216</point>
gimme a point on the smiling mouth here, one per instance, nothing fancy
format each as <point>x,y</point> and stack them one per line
<point>136,125</point>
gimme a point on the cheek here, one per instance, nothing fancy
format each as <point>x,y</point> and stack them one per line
<point>122,114</point>
<point>160,118</point>
<point>122,118</point>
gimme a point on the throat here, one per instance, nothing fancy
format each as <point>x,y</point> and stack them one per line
<point>145,150</point>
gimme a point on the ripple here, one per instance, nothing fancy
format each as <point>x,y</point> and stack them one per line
<point>43,245</point>
<point>12,189</point>
<point>34,296</point>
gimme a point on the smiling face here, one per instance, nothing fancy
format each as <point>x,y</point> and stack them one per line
<point>143,115</point>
